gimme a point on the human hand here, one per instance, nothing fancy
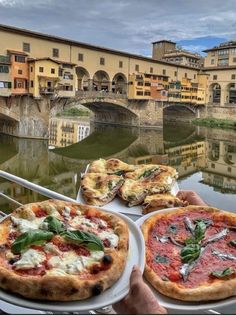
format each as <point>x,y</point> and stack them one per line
<point>191,197</point>
<point>140,299</point>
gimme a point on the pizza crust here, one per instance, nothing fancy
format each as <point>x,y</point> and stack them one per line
<point>69,287</point>
<point>220,289</point>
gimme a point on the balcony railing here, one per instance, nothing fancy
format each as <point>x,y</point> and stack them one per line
<point>100,94</point>
<point>4,59</point>
<point>46,90</point>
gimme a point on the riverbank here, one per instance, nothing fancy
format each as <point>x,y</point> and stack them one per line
<point>216,123</point>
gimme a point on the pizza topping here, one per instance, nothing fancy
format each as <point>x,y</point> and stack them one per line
<point>30,259</point>
<point>54,225</point>
<point>175,242</point>
<point>190,253</point>
<point>186,268</point>
<point>107,259</point>
<point>41,213</point>
<point>216,237</point>
<point>88,239</point>
<point>163,239</point>
<point>32,237</point>
<point>161,259</point>
<point>233,243</point>
<point>24,225</point>
<point>223,274</point>
<point>172,228</point>
<point>224,256</point>
<point>66,212</point>
<point>149,172</point>
<point>111,237</point>
<point>189,225</point>
<point>51,248</point>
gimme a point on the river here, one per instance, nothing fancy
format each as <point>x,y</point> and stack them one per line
<point>204,157</point>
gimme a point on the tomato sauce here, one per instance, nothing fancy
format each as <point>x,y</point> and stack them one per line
<point>165,257</point>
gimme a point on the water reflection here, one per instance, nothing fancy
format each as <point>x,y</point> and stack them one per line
<point>205,158</point>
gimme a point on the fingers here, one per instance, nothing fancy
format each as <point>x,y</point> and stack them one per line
<point>136,277</point>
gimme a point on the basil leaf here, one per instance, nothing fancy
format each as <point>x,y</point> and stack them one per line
<point>172,228</point>
<point>119,173</point>
<point>161,259</point>
<point>32,237</point>
<point>88,239</point>
<point>199,231</point>
<point>207,222</point>
<point>147,173</point>
<point>222,274</point>
<point>190,253</point>
<point>110,185</point>
<point>233,243</point>
<point>54,225</point>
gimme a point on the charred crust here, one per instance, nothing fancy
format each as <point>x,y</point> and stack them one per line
<point>45,291</point>
<point>3,280</point>
<point>107,260</point>
<point>73,291</point>
<point>97,289</point>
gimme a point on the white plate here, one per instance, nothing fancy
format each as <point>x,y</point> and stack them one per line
<point>174,304</point>
<point>118,205</point>
<point>136,256</point>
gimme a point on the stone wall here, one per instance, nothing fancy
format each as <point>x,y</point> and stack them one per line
<point>219,112</point>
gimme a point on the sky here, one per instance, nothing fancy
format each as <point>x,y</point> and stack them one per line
<point>127,25</point>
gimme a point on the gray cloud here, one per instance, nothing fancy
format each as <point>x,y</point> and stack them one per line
<point>129,25</point>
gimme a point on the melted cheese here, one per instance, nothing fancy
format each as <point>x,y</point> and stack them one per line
<point>66,212</point>
<point>30,259</point>
<point>110,236</point>
<point>25,225</point>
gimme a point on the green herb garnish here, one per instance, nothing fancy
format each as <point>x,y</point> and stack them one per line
<point>89,240</point>
<point>222,274</point>
<point>54,225</point>
<point>190,253</point>
<point>233,243</point>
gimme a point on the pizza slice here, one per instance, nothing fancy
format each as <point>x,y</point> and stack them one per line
<point>144,172</point>
<point>161,201</point>
<point>98,189</point>
<point>111,166</point>
<point>133,192</point>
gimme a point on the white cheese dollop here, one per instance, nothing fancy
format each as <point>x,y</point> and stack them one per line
<point>30,259</point>
<point>113,238</point>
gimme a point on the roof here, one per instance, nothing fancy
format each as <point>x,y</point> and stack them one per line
<point>17,52</point>
<point>58,39</point>
<point>164,41</point>
<point>230,44</point>
<point>44,58</point>
<point>219,68</point>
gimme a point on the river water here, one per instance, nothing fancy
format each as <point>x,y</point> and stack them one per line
<point>204,157</point>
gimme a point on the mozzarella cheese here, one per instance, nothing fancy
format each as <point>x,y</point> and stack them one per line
<point>25,225</point>
<point>30,259</point>
<point>66,212</point>
<point>110,236</point>
<point>84,222</point>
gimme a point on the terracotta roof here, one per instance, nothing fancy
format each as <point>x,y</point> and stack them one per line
<point>44,58</point>
<point>17,52</point>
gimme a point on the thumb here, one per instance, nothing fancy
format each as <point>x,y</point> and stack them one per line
<point>136,276</point>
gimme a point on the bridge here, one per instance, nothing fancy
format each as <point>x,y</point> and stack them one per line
<point>24,116</point>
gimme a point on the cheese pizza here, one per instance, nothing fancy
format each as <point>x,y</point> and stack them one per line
<point>61,251</point>
<point>191,253</point>
<point>111,166</point>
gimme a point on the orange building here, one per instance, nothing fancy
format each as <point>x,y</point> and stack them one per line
<point>19,71</point>
<point>159,87</point>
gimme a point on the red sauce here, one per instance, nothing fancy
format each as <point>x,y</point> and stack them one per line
<point>12,235</point>
<point>39,271</point>
<point>205,265</point>
<point>41,213</point>
<point>106,243</point>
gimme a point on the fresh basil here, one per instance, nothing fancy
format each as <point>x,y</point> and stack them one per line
<point>199,234</point>
<point>207,222</point>
<point>222,274</point>
<point>87,239</point>
<point>190,253</point>
<point>233,243</point>
<point>147,173</point>
<point>172,228</point>
<point>161,259</point>
<point>119,173</point>
<point>32,237</point>
<point>54,225</point>
<point>111,185</point>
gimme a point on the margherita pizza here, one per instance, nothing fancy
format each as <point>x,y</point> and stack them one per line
<point>61,251</point>
<point>191,253</point>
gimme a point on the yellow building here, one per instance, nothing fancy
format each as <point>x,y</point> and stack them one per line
<point>44,76</point>
<point>67,80</point>
<point>184,91</point>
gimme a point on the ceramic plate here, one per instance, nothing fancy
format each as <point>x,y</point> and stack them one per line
<point>136,256</point>
<point>174,304</point>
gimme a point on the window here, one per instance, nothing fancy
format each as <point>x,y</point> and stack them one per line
<point>229,169</point>
<point>20,71</point>
<point>136,67</point>
<point>212,61</point>
<point>212,165</point>
<point>81,57</point>
<point>32,84</point>
<point>194,76</point>
<point>233,77</point>
<point>52,70</point>
<point>40,69</point>
<point>164,71</point>
<point>175,74</point>
<point>234,59</point>
<point>185,75</point>
<point>214,77</point>
<point>139,93</point>
<point>4,69</point>
<point>55,52</point>
<point>20,59</point>
<point>31,69</point>
<point>102,61</point>
<point>26,47</point>
<point>151,69</point>
<point>120,64</point>
<point>5,85</point>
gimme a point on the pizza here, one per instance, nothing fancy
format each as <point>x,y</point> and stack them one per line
<point>161,201</point>
<point>111,166</point>
<point>61,251</point>
<point>98,189</point>
<point>191,253</point>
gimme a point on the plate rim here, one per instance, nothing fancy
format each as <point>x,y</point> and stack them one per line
<point>57,305</point>
<point>184,307</point>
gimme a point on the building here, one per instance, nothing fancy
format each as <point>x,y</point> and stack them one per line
<point>167,51</point>
<point>19,71</point>
<point>5,76</point>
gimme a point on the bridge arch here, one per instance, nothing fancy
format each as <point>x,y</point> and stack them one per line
<point>119,83</point>
<point>83,79</point>
<point>101,81</point>
<point>179,112</point>
<point>215,93</point>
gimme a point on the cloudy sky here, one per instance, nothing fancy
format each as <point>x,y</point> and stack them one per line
<point>128,25</point>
